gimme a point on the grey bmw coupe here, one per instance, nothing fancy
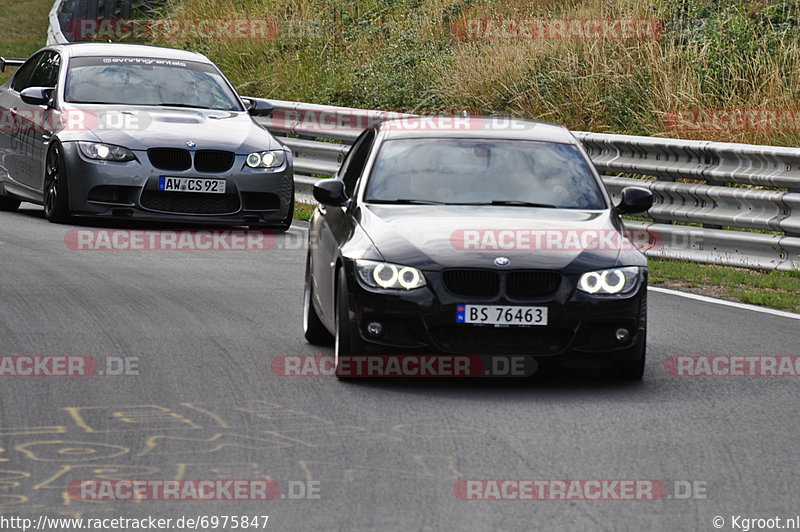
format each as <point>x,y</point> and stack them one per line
<point>138,132</point>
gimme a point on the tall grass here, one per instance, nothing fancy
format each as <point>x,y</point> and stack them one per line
<point>23,29</point>
<point>403,54</point>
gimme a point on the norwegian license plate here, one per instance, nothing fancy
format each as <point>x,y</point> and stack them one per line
<point>501,315</point>
<point>191,184</point>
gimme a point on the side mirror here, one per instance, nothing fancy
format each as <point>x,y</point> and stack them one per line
<point>36,95</point>
<point>258,107</point>
<point>634,200</point>
<point>330,192</point>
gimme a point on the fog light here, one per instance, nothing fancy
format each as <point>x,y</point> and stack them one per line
<point>374,329</point>
<point>622,335</point>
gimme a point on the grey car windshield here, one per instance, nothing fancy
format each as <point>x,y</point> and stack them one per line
<point>474,171</point>
<point>148,81</point>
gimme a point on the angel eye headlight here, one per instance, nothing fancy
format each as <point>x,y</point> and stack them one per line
<point>612,281</point>
<point>266,159</point>
<point>385,275</point>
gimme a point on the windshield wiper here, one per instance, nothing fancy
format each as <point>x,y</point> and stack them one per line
<point>518,203</point>
<point>406,201</point>
<point>190,106</point>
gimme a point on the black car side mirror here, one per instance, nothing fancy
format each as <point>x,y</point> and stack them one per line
<point>258,107</point>
<point>330,192</point>
<point>36,95</point>
<point>635,199</point>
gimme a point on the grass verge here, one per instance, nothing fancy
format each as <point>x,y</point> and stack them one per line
<point>767,288</point>
<point>23,29</point>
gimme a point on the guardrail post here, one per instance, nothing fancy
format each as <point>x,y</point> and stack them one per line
<point>92,9</point>
<point>109,8</point>
<point>713,183</point>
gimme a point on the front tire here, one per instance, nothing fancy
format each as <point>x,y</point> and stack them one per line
<point>55,195</point>
<point>345,344</point>
<point>632,370</point>
<point>286,223</point>
<point>8,204</point>
<point>283,225</point>
<point>313,328</point>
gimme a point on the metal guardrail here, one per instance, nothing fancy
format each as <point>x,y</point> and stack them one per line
<point>319,145</point>
<point>66,11</point>
<point>710,206</point>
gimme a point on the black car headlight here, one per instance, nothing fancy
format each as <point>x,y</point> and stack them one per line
<point>612,281</point>
<point>106,152</point>
<point>388,276</point>
<point>266,159</point>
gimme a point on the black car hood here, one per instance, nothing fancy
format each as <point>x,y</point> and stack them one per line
<point>143,127</point>
<point>431,237</point>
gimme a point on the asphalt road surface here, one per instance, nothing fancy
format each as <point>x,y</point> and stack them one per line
<point>199,329</point>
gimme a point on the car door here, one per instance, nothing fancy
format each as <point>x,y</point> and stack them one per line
<point>9,105</point>
<point>30,142</point>
<point>334,227</point>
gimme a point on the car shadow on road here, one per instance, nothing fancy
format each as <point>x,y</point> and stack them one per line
<point>30,210</point>
<point>547,379</point>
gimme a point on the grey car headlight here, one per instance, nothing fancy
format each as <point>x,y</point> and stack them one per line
<point>266,159</point>
<point>388,276</point>
<point>612,281</point>
<point>106,152</point>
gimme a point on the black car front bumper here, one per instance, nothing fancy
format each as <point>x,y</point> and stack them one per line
<point>581,327</point>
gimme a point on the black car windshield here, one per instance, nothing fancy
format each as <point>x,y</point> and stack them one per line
<point>484,172</point>
<point>148,81</point>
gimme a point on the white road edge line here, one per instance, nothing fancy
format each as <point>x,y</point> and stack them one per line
<point>744,306</point>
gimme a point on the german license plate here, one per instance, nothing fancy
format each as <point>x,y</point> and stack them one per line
<point>191,184</point>
<point>501,315</point>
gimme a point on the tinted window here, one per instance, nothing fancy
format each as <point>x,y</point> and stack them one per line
<point>356,160</point>
<point>23,75</point>
<point>148,81</point>
<point>46,73</point>
<point>482,171</point>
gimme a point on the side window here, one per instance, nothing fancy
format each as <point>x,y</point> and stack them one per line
<point>46,73</point>
<point>23,75</point>
<point>356,160</point>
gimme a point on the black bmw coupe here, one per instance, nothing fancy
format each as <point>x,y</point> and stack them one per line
<point>490,239</point>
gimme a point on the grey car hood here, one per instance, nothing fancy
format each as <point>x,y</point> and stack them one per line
<point>143,127</point>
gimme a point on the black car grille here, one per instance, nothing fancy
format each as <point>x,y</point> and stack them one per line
<point>213,160</point>
<point>520,284</point>
<point>190,202</point>
<point>479,283</point>
<point>525,284</point>
<point>170,158</point>
<point>473,340</point>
